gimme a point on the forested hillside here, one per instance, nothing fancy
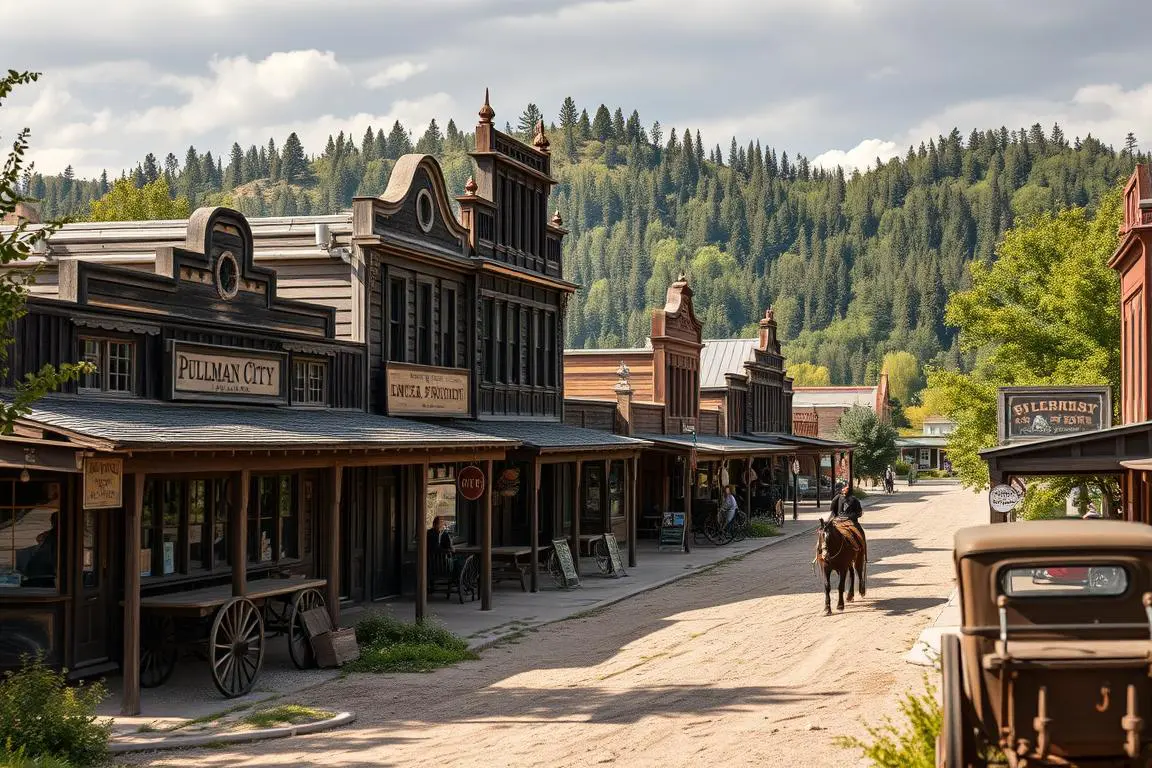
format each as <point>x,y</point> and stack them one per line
<point>856,265</point>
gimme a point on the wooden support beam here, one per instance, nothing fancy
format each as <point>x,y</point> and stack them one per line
<point>632,489</point>
<point>534,526</point>
<point>133,514</point>
<point>332,591</point>
<point>574,533</point>
<point>241,481</point>
<point>748,487</point>
<point>486,542</point>
<point>688,472</point>
<point>605,498</point>
<point>422,544</point>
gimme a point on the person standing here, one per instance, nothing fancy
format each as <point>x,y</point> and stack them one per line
<point>729,506</point>
<point>847,507</point>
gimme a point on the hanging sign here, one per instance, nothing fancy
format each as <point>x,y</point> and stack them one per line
<point>103,483</point>
<point>471,482</point>
<point>509,482</point>
<point>1003,498</point>
<point>1034,413</point>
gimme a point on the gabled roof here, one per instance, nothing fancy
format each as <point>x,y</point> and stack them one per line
<point>833,397</point>
<point>724,356</point>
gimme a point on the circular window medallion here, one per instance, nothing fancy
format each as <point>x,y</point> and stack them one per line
<point>424,210</point>
<point>227,275</point>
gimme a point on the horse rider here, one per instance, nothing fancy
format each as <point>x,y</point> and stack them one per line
<point>847,507</point>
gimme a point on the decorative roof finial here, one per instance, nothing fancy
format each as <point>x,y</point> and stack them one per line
<point>623,386</point>
<point>486,111</point>
<point>470,186</point>
<point>770,315</point>
<point>556,220</point>
<point>683,278</point>
<point>623,371</point>
<point>540,141</point>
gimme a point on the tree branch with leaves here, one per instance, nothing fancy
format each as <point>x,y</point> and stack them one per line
<point>17,245</point>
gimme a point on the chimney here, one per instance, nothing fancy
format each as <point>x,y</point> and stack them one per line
<point>768,341</point>
<point>623,390</point>
<point>25,211</point>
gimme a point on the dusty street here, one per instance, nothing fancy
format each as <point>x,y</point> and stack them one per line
<point>735,666</point>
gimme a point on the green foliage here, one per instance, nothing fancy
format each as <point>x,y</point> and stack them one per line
<point>285,714</point>
<point>859,492</point>
<point>41,716</point>
<point>19,760</point>
<point>761,529</point>
<point>1042,502</point>
<point>1047,311</point>
<point>901,467</point>
<point>16,245</point>
<point>904,375</point>
<point>126,202</point>
<point>390,645</point>
<point>875,441</point>
<point>809,375</point>
<point>909,743</point>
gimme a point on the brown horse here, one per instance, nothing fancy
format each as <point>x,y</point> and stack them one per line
<point>840,548</point>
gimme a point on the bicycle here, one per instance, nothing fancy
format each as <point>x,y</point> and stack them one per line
<point>740,525</point>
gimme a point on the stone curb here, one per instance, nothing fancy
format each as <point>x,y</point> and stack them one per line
<point>485,643</point>
<point>202,740</point>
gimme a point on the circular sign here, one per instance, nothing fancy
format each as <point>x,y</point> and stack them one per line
<point>471,481</point>
<point>1003,498</point>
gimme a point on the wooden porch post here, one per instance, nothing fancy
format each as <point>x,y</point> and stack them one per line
<point>332,590</point>
<point>574,533</point>
<point>688,472</point>
<point>422,544</point>
<point>605,501</point>
<point>239,525</point>
<point>851,471</point>
<point>534,527</point>
<point>133,513</point>
<point>486,543</point>
<point>631,486</point>
<point>816,461</point>
<point>748,486</point>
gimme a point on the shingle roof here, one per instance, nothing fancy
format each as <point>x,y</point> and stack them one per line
<point>715,444</point>
<point>723,356</point>
<point>153,424</point>
<point>833,397</point>
<point>550,435</point>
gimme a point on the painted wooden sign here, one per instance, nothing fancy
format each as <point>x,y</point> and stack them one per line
<point>420,390</point>
<point>103,483</point>
<point>203,372</point>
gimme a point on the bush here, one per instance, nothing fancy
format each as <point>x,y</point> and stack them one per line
<point>761,529</point>
<point>859,492</point>
<point>390,645</point>
<point>901,467</point>
<point>18,760</point>
<point>908,745</point>
<point>42,717</point>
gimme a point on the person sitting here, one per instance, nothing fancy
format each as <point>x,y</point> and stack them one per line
<point>847,507</point>
<point>729,507</point>
<point>439,540</point>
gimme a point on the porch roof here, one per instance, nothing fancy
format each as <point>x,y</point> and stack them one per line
<point>144,425</point>
<point>551,436</point>
<point>798,441</point>
<point>715,445</point>
<point>1105,450</point>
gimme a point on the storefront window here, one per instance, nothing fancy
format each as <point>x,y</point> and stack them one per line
<point>89,576</point>
<point>289,520</point>
<point>273,520</point>
<point>179,519</point>
<point>147,528</point>
<point>198,531</point>
<point>170,541</point>
<point>221,546</point>
<point>442,498</point>
<point>591,490</point>
<point>29,535</point>
<point>616,489</point>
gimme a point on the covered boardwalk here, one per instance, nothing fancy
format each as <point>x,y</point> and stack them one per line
<point>580,484</point>
<point>219,503</point>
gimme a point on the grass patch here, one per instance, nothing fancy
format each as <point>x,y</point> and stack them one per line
<point>762,529</point>
<point>285,714</point>
<point>390,645</point>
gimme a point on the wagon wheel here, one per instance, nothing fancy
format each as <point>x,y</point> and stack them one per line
<point>555,571</point>
<point>600,552</point>
<point>740,526</point>
<point>158,650</point>
<point>469,579</point>
<point>299,643</point>
<point>956,733</point>
<point>236,647</point>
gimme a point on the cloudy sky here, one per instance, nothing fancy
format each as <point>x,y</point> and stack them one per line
<point>840,80</point>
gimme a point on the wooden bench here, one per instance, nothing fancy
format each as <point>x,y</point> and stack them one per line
<point>442,575</point>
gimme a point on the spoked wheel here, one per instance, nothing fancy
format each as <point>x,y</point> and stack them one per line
<point>778,514</point>
<point>956,747</point>
<point>717,532</point>
<point>299,643</point>
<point>555,571</point>
<point>469,579</point>
<point>600,552</point>
<point>740,526</point>
<point>236,647</point>
<point>158,650</point>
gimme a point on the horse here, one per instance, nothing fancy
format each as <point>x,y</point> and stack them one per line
<point>840,548</point>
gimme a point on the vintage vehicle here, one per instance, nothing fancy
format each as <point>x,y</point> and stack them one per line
<point>1053,660</point>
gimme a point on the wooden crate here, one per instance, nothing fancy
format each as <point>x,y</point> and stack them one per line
<point>336,647</point>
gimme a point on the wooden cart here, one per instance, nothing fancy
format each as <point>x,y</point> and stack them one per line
<point>229,632</point>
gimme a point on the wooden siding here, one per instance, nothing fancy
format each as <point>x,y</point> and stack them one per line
<point>594,375</point>
<point>599,416</point>
<point>709,422</point>
<point>647,418</point>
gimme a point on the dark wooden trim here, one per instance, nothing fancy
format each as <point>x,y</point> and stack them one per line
<point>217,461</point>
<point>632,486</point>
<point>574,541</point>
<point>486,543</point>
<point>534,527</point>
<point>332,589</point>
<point>238,522</point>
<point>422,544</point>
<point>133,514</point>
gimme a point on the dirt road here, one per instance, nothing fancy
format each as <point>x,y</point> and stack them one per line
<point>735,666</point>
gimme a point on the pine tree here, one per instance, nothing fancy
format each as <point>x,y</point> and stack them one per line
<point>584,126</point>
<point>602,124</point>
<point>367,147</point>
<point>234,174</point>
<point>251,166</point>
<point>399,143</point>
<point>293,165</point>
<point>190,179</point>
<point>1130,145</point>
<point>432,142</point>
<point>619,129</point>
<point>526,126</point>
<point>569,116</point>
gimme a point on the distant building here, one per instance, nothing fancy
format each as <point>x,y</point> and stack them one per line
<point>928,449</point>
<point>825,405</point>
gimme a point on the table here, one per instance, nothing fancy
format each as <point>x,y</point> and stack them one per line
<point>514,557</point>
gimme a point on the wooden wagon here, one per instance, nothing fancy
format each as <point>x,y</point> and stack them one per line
<point>1053,662</point>
<point>228,631</point>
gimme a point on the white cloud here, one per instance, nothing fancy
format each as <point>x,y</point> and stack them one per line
<point>860,157</point>
<point>395,73</point>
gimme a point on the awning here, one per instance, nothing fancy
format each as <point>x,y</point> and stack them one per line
<point>715,445</point>
<point>551,436</point>
<point>798,442</point>
<point>144,425</point>
<point>1102,451</point>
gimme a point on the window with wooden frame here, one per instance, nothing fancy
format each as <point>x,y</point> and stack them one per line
<point>514,336</point>
<point>183,527</point>
<point>448,331</point>
<point>550,347</point>
<point>310,382</point>
<point>501,333</point>
<point>424,330</point>
<point>115,365</point>
<point>273,519</point>
<point>488,324</point>
<point>397,320</point>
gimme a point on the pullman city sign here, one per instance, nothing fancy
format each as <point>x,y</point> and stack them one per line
<point>1035,413</point>
<point>204,372</point>
<point>421,390</point>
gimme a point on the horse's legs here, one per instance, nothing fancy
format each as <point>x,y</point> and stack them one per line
<point>861,568</point>
<point>840,601</point>
<point>851,584</point>
<point>827,591</point>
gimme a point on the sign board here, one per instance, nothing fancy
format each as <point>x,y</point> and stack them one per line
<point>205,372</point>
<point>795,466</point>
<point>1003,498</point>
<point>422,390</point>
<point>1034,413</point>
<point>471,482</point>
<point>615,563</point>
<point>672,530</point>
<point>103,483</point>
<point>567,567</point>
